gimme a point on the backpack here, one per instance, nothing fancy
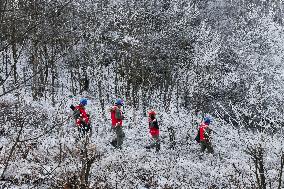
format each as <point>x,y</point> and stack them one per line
<point>207,134</point>
<point>76,113</point>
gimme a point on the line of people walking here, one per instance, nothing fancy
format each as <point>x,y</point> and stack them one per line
<point>82,120</point>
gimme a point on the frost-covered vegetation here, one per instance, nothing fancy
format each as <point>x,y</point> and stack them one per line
<point>185,59</point>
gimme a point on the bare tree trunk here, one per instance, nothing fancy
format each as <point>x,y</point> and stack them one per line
<point>135,98</point>
<point>3,62</point>
<point>88,156</point>
<point>72,82</point>
<point>128,88</point>
<point>53,80</point>
<point>101,97</point>
<point>25,75</point>
<point>84,159</point>
<point>261,169</point>
<point>108,87</point>
<point>116,84</point>
<point>34,61</point>
<point>6,163</point>
<point>6,65</point>
<point>14,52</point>
<point>145,102</point>
<point>177,92</point>
<point>102,102</point>
<point>281,171</point>
<point>3,4</point>
<point>41,85</point>
<point>79,80</point>
<point>256,172</point>
<point>172,136</point>
<point>257,155</point>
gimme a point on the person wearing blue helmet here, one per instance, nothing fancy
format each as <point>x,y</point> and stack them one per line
<point>207,120</point>
<point>119,102</point>
<point>205,136</point>
<point>116,122</point>
<point>81,116</point>
<point>83,101</point>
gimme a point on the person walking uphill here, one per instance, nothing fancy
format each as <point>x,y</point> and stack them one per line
<point>116,122</point>
<point>81,117</point>
<point>154,131</point>
<point>205,136</point>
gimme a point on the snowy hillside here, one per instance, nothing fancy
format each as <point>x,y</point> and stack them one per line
<point>56,156</point>
<point>200,65</point>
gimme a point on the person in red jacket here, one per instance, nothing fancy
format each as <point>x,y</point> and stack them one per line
<point>81,116</point>
<point>154,131</point>
<point>205,136</point>
<point>116,123</point>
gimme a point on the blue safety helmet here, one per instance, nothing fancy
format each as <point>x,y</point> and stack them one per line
<point>83,101</point>
<point>119,102</point>
<point>207,120</point>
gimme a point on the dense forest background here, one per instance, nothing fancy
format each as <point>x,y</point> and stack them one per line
<point>184,58</point>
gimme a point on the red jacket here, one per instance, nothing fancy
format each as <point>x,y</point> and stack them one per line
<point>116,116</point>
<point>203,128</point>
<point>83,115</point>
<point>153,126</point>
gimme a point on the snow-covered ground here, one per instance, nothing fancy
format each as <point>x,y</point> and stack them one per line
<point>53,158</point>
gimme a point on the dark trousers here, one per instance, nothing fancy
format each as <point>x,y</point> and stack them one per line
<point>206,145</point>
<point>84,128</point>
<point>118,141</point>
<point>156,143</point>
